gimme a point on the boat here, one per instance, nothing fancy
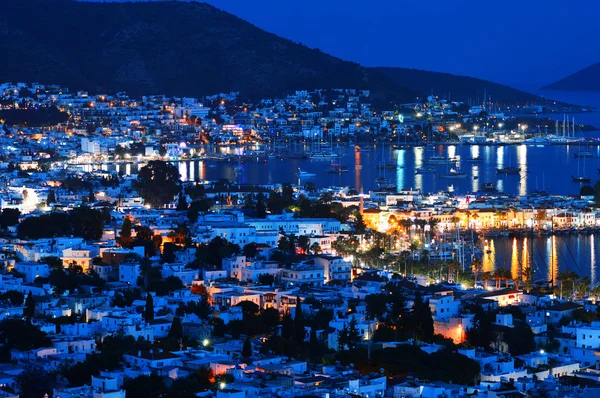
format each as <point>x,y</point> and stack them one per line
<point>385,184</point>
<point>454,174</point>
<point>304,174</point>
<point>581,178</point>
<point>337,169</point>
<point>536,141</point>
<point>323,155</point>
<point>508,170</point>
<point>584,154</point>
<point>475,159</point>
<point>489,186</point>
<point>441,160</point>
<point>424,170</point>
<point>387,166</point>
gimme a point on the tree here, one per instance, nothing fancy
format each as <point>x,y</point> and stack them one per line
<point>287,327</point>
<point>149,310</point>
<point>261,208</point>
<point>182,203</point>
<point>354,336</point>
<point>9,217</point>
<point>376,305</point>
<point>422,319</point>
<point>157,183</point>
<point>247,349</point>
<point>14,297</point>
<point>176,330</point>
<point>587,190</point>
<point>266,279</point>
<point>250,250</point>
<point>125,235</point>
<point>29,310</point>
<point>51,197</point>
<point>299,331</point>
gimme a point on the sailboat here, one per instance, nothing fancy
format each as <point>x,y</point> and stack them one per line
<point>508,169</point>
<point>581,177</point>
<point>385,165</point>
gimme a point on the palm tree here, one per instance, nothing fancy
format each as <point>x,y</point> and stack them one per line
<point>477,267</point>
<point>485,277</point>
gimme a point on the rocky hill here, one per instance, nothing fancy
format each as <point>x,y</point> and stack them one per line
<point>587,79</point>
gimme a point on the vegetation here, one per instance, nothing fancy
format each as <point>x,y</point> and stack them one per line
<point>158,183</point>
<point>82,222</point>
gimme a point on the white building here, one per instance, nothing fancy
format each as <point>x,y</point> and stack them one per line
<point>32,270</point>
<point>335,268</point>
<point>303,274</point>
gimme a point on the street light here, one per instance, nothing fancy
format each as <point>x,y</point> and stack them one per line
<point>222,385</point>
<point>205,342</point>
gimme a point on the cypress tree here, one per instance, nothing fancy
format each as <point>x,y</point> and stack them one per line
<point>247,349</point>
<point>149,312</point>
<point>299,331</point>
<point>29,310</point>
<point>176,330</point>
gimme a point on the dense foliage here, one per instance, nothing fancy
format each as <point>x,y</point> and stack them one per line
<point>82,222</point>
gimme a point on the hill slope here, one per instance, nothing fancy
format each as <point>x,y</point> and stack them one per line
<point>460,88</point>
<point>173,48</point>
<point>587,79</point>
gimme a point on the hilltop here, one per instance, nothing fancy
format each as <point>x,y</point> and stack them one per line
<point>587,79</point>
<point>172,48</point>
<point>456,87</point>
<point>191,49</point>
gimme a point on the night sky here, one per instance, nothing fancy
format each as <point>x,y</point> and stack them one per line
<point>519,42</point>
<point>525,43</point>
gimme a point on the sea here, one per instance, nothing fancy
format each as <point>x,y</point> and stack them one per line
<point>547,168</point>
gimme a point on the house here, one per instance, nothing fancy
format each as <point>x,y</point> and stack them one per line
<point>153,359</point>
<point>303,274</point>
<point>503,297</point>
<point>77,257</point>
<point>335,268</point>
<point>32,270</point>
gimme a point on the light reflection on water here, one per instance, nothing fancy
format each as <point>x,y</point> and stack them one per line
<point>547,255</point>
<point>548,168</point>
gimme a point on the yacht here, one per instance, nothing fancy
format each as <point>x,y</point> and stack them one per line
<point>441,160</point>
<point>454,174</point>
<point>508,170</point>
<point>424,170</point>
<point>387,166</point>
<point>304,174</point>
<point>490,186</point>
<point>581,178</point>
<point>323,155</point>
<point>337,169</point>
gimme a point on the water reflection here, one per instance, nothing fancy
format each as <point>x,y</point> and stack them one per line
<point>514,260</point>
<point>400,170</point>
<point>419,153</point>
<point>545,256</point>
<point>522,162</point>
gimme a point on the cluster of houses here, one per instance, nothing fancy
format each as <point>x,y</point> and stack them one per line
<point>99,126</point>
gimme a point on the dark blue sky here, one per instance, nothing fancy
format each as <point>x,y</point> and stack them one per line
<point>521,42</point>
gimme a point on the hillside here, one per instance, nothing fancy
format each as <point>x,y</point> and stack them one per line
<point>173,48</point>
<point>460,88</point>
<point>587,79</point>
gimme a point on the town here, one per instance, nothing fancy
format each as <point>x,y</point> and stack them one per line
<point>123,277</point>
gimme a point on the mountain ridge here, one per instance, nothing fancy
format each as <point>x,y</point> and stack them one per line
<point>586,79</point>
<point>184,49</point>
